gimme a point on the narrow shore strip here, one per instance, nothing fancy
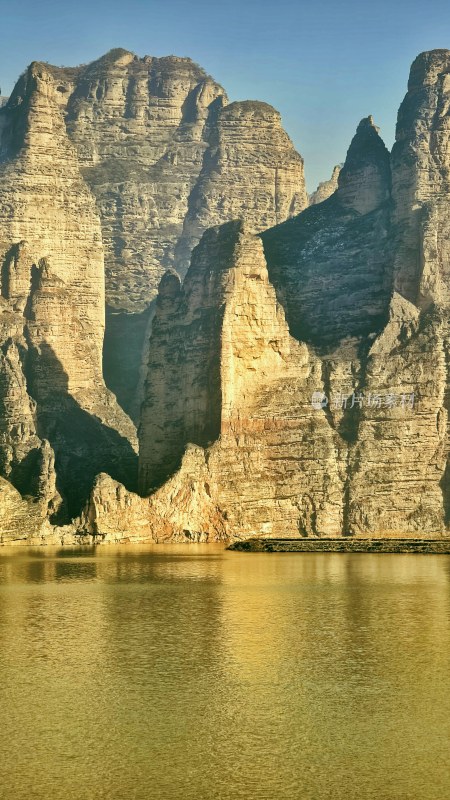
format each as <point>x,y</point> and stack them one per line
<point>343,545</point>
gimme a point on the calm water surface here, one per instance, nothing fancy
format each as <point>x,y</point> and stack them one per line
<point>197,673</point>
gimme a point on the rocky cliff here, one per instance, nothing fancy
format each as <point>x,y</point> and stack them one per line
<point>330,265</point>
<point>326,188</point>
<point>297,377</point>
<point>100,166</point>
<point>54,406</point>
<point>166,158</point>
<point>243,390</point>
<point>361,446</point>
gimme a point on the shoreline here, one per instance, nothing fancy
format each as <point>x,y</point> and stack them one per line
<point>252,545</point>
<point>344,545</point>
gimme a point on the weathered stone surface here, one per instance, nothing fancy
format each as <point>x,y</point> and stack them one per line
<point>397,464</point>
<point>20,518</point>
<point>19,442</point>
<point>52,310</point>
<point>223,367</point>
<point>44,201</point>
<point>182,510</point>
<point>166,158</point>
<point>250,171</point>
<point>140,126</point>
<point>349,300</point>
<point>421,182</point>
<point>364,181</point>
<point>136,134</point>
<point>24,521</point>
<point>363,277</point>
<point>331,265</point>
<point>326,188</point>
<point>288,469</point>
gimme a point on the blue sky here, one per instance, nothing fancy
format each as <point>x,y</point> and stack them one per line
<point>324,64</point>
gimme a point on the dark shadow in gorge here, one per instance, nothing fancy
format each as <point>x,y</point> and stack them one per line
<point>83,444</point>
<point>123,350</point>
<point>445,489</point>
<point>332,271</point>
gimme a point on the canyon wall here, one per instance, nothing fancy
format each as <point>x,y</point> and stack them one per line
<point>166,157</point>
<point>54,406</point>
<point>108,177</point>
<point>363,279</point>
<point>298,376</point>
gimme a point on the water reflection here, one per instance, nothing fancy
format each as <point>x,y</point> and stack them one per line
<point>198,673</point>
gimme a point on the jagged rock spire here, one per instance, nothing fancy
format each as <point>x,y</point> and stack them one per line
<point>364,181</point>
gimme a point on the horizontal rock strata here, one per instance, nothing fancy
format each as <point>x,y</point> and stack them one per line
<point>58,423</point>
<point>298,377</point>
<point>166,158</point>
<point>362,277</point>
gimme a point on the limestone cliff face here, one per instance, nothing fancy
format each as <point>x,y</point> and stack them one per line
<point>181,510</point>
<point>140,126</point>
<point>162,151</point>
<point>397,466</point>
<point>362,277</point>
<point>297,377</point>
<point>279,466</point>
<point>227,376</point>
<point>52,306</point>
<point>421,182</point>
<point>166,158</point>
<point>406,460</point>
<point>326,188</point>
<point>45,203</point>
<point>98,168</point>
<point>250,171</point>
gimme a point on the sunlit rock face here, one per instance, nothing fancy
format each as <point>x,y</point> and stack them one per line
<point>166,158</point>
<point>297,380</point>
<point>99,165</point>
<point>421,182</point>
<point>141,129</point>
<point>250,171</point>
<point>362,278</point>
<point>326,188</point>
<point>222,352</point>
<point>52,310</point>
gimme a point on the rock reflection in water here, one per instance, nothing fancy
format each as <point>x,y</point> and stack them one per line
<point>194,672</point>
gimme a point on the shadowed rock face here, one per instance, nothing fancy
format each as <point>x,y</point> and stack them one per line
<point>364,182</point>
<point>331,265</point>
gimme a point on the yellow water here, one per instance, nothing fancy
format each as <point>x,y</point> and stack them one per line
<point>197,673</point>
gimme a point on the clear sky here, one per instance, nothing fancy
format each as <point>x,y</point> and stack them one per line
<point>324,64</point>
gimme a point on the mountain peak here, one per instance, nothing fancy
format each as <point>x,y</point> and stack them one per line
<point>364,181</point>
